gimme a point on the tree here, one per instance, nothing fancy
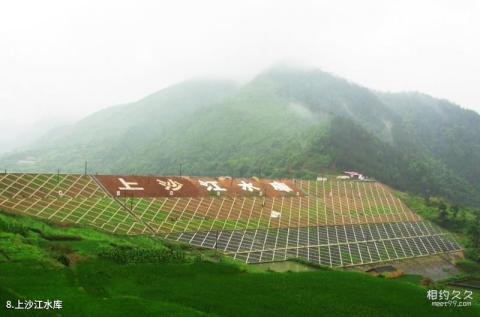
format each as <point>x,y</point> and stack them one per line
<point>474,230</point>
<point>474,233</point>
<point>454,209</point>
<point>442,214</point>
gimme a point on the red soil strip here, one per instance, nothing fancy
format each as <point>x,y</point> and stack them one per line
<point>173,186</point>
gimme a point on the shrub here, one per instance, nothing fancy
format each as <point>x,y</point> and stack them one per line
<point>425,281</point>
<point>13,227</point>
<point>127,254</point>
<point>468,266</point>
<point>58,248</point>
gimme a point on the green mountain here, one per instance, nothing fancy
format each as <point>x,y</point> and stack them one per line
<point>284,122</point>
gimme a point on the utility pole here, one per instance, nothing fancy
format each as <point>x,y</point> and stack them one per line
<point>58,176</point>
<point>180,170</point>
<point>86,168</point>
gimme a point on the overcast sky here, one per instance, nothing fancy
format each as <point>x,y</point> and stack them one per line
<point>65,59</point>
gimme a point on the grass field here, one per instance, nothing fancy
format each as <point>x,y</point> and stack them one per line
<point>97,288</point>
<point>30,268</point>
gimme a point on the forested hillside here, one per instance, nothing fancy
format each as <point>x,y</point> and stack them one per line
<point>285,122</point>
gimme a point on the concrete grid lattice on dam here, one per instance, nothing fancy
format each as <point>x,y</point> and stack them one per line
<point>333,222</point>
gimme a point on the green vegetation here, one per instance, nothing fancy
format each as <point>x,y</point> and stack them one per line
<point>110,275</point>
<point>130,255</point>
<point>463,221</point>
<point>284,123</point>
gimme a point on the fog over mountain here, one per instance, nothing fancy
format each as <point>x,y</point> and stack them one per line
<point>78,57</point>
<point>321,156</point>
<point>19,135</point>
<point>285,122</point>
